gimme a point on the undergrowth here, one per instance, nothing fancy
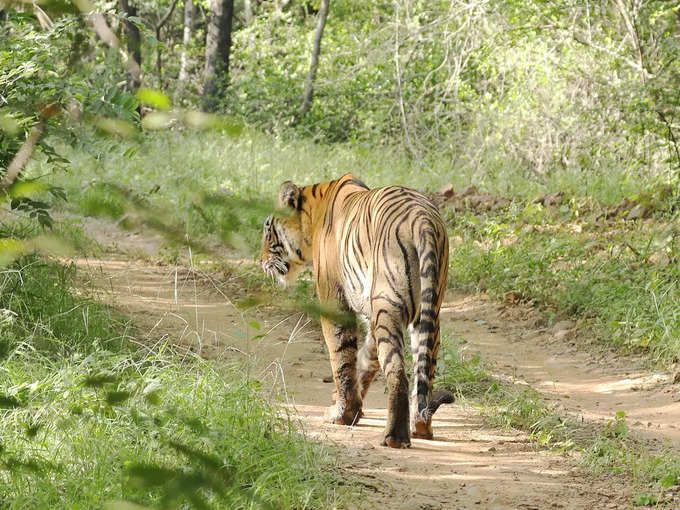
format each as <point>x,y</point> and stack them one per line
<point>211,183</point>
<point>620,278</point>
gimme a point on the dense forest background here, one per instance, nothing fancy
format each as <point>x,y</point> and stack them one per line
<point>485,86</point>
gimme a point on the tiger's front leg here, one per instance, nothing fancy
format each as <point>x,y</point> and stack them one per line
<point>341,341</point>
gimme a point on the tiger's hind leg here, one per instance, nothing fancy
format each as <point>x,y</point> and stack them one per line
<point>386,327</point>
<point>341,340</point>
<point>424,403</point>
<point>367,363</point>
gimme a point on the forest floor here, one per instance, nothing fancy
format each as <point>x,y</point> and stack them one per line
<point>470,463</point>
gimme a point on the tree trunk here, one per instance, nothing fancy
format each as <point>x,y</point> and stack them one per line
<point>186,41</point>
<point>314,63</point>
<point>217,48</point>
<point>247,12</point>
<point>134,44</point>
<point>159,57</point>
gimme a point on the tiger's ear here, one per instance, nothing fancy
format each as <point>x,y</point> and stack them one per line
<point>289,195</point>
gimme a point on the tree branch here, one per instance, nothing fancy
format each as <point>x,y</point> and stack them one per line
<point>166,17</point>
<point>400,97</point>
<point>22,156</point>
<point>671,135</point>
<point>102,29</point>
<point>26,150</point>
<point>632,64</point>
<point>314,63</point>
<point>159,25</point>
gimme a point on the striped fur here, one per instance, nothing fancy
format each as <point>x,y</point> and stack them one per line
<point>382,254</point>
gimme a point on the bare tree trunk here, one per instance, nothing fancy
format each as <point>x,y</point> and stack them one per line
<point>314,63</point>
<point>134,44</point>
<point>159,25</point>
<point>247,12</point>
<point>217,49</point>
<point>400,96</point>
<point>186,40</point>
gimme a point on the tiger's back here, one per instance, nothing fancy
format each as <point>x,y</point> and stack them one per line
<point>381,253</point>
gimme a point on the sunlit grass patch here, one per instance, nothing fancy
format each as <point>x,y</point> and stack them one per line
<point>459,370</point>
<point>44,314</point>
<point>175,170</point>
<point>103,427</point>
<point>608,448</point>
<point>617,277</point>
<point>613,450</point>
<point>504,404</point>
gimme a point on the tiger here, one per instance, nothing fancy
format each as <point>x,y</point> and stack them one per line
<point>381,255</point>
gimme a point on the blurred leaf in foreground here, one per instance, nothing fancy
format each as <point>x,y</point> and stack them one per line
<point>117,127</point>
<point>153,98</point>
<point>9,124</point>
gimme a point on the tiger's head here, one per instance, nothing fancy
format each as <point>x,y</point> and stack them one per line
<point>286,244</point>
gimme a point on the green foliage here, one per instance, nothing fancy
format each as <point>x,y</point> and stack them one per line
<point>604,449</point>
<point>152,432</point>
<point>613,450</point>
<point>43,315</point>
<point>536,87</point>
<point>616,276</point>
<point>44,82</point>
<point>645,499</point>
<point>459,371</point>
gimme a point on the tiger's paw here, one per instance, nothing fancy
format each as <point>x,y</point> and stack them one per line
<point>422,430</point>
<point>343,415</point>
<point>396,435</point>
<point>334,399</point>
<point>396,442</point>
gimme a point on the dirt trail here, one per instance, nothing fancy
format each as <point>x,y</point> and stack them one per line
<point>588,384</point>
<point>584,383</point>
<point>468,465</point>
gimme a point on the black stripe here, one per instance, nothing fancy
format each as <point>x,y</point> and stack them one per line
<point>423,389</point>
<point>390,355</point>
<point>358,183</point>
<point>427,326</point>
<point>407,267</point>
<point>347,343</point>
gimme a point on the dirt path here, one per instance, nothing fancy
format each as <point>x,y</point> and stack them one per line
<point>588,384</point>
<point>468,465</point>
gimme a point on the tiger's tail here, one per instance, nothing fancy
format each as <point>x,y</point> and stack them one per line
<point>433,261</point>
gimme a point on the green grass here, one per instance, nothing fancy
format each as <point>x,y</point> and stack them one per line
<point>504,405</point>
<point>92,429</point>
<point>616,276</point>
<point>214,189</point>
<point>43,314</point>
<point>87,419</point>
<point>175,170</point>
<point>614,451</point>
